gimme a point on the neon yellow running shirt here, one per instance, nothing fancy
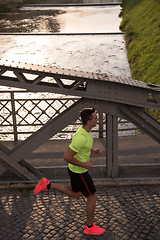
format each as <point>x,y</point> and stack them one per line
<point>81,143</point>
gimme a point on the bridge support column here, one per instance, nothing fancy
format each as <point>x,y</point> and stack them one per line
<point>112,146</point>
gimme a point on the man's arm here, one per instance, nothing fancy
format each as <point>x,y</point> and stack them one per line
<point>69,158</point>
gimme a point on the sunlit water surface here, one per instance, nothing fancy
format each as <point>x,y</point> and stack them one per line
<point>84,19</point>
<point>92,53</point>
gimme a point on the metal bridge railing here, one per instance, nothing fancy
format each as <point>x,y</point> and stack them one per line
<point>22,113</point>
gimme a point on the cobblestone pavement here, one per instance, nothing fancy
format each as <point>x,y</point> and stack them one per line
<point>131,212</point>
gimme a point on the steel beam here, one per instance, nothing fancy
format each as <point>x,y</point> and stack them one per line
<point>112,95</point>
<point>115,147</point>
<point>78,83</point>
<point>143,120</point>
<point>111,146</point>
<point>109,160</point>
<point>104,106</point>
<point>22,150</point>
<point>54,126</point>
<point>15,167</point>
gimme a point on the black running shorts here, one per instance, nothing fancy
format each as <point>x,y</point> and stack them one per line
<point>82,182</point>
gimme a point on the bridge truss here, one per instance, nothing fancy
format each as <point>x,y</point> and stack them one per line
<point>115,96</point>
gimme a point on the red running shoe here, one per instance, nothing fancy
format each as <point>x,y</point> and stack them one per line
<point>95,230</point>
<point>41,186</point>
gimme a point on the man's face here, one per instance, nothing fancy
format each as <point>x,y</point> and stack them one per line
<point>94,119</point>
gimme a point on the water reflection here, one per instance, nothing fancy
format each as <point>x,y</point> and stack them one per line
<point>101,54</point>
<point>90,20</point>
<point>63,20</point>
<point>29,21</point>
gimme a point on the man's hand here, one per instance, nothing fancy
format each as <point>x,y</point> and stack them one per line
<point>96,151</point>
<point>88,164</point>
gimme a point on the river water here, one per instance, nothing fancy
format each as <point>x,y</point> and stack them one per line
<point>93,19</point>
<point>39,35</point>
<point>105,53</point>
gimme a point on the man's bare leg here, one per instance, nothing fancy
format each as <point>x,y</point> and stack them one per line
<point>65,189</point>
<point>91,200</point>
<point>90,208</point>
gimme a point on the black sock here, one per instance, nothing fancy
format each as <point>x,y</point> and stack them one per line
<point>89,226</point>
<point>48,186</point>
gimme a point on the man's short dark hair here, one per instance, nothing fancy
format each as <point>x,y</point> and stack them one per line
<point>86,114</point>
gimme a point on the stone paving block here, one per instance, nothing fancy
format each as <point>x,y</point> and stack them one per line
<point>125,212</point>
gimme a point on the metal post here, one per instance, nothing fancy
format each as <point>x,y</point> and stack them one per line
<point>100,125</point>
<point>14,118</point>
<point>112,146</point>
<point>109,145</point>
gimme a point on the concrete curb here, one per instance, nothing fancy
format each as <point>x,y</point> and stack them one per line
<point>98,184</point>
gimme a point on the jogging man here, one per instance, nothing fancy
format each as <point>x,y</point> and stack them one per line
<point>78,158</point>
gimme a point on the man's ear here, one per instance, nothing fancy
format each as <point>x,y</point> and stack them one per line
<point>88,122</point>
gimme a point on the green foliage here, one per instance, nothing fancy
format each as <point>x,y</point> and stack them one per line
<point>141,23</point>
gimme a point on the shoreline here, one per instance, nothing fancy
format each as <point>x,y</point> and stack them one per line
<point>7,6</point>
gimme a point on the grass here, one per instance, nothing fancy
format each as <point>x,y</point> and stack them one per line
<point>141,22</point>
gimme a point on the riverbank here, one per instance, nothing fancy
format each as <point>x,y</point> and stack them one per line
<point>10,5</point>
<point>141,23</point>
<point>7,6</point>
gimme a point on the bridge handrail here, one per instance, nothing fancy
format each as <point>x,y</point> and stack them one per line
<point>12,122</point>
